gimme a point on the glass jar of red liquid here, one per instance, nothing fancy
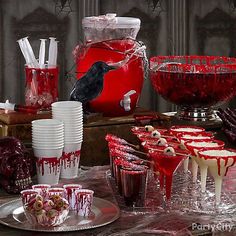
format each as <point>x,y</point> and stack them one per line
<point>41,87</point>
<point>112,39</point>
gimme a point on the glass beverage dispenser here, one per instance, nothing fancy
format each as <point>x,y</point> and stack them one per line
<point>112,39</point>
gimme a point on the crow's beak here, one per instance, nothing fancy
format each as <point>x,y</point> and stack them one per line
<point>112,67</point>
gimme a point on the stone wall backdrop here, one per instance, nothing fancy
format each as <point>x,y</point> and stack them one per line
<point>169,27</point>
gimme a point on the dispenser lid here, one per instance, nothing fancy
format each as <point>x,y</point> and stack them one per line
<point>110,21</point>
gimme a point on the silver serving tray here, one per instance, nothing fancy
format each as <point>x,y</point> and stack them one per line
<point>103,213</point>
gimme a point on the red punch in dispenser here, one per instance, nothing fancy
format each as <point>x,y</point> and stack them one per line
<point>112,39</point>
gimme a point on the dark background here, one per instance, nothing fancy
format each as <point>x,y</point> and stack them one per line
<point>169,27</point>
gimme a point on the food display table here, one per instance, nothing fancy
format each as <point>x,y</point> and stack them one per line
<point>130,222</point>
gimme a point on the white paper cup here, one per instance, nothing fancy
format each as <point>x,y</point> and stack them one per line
<point>48,128</point>
<point>47,123</point>
<point>47,147</point>
<point>73,134</point>
<point>70,160</point>
<point>47,141</point>
<point>66,104</point>
<point>73,125</point>
<point>48,132</point>
<point>76,113</point>
<point>71,121</point>
<point>56,192</point>
<point>70,137</point>
<point>27,195</point>
<point>70,194</point>
<point>73,141</point>
<point>84,201</point>
<point>74,129</point>
<point>49,136</point>
<point>48,164</point>
<point>42,189</point>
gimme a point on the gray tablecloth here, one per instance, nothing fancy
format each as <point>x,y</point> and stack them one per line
<point>129,223</point>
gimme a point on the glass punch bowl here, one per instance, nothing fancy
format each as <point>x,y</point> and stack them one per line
<point>194,83</point>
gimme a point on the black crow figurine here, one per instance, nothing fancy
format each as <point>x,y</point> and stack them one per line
<point>91,84</point>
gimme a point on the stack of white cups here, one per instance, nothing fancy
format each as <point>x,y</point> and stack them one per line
<point>48,144</point>
<point>71,113</point>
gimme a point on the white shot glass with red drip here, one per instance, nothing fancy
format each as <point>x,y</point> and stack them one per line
<point>42,189</point>
<point>84,201</point>
<point>54,192</point>
<point>70,194</point>
<point>27,195</point>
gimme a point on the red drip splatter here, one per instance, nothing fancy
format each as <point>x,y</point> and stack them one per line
<point>70,159</point>
<point>218,159</point>
<point>26,196</point>
<point>52,162</point>
<point>234,160</point>
<point>70,194</point>
<point>84,202</point>
<point>218,164</point>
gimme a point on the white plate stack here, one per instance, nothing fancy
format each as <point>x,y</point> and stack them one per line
<point>71,114</point>
<point>48,144</point>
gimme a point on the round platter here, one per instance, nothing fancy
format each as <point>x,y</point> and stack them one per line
<point>103,213</point>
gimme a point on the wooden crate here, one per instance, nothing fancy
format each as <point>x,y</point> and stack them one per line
<point>94,148</point>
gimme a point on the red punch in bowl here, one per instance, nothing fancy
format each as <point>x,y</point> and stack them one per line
<point>194,81</point>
